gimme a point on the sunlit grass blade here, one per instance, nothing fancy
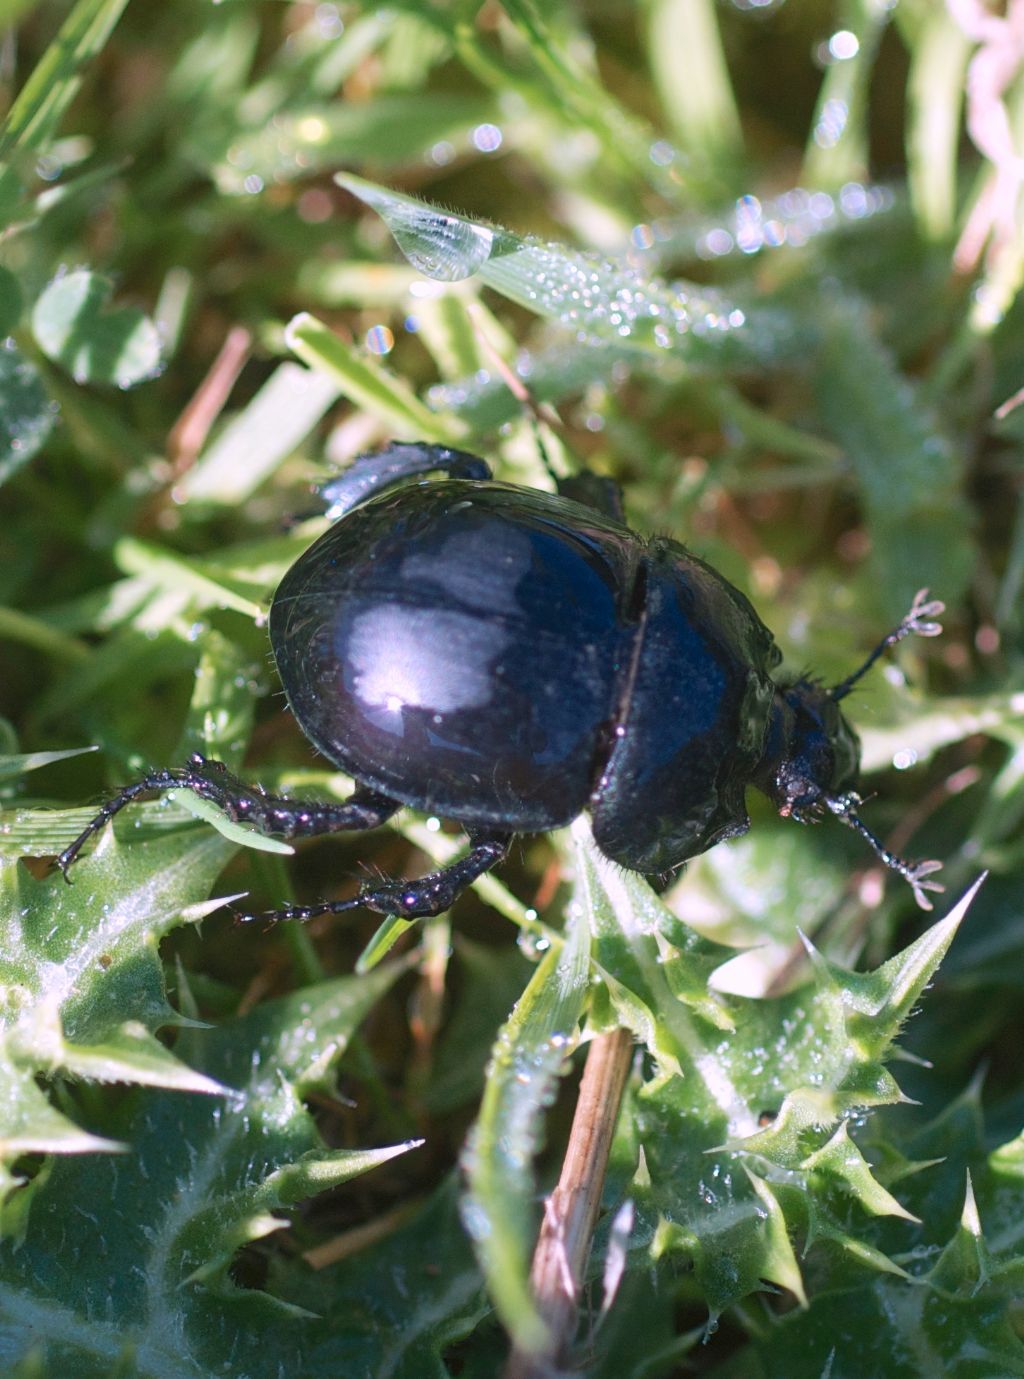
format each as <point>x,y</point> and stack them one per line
<point>935,92</point>
<point>692,80</point>
<point>600,301</point>
<point>261,437</point>
<point>53,85</point>
<point>367,384</point>
<point>837,151</point>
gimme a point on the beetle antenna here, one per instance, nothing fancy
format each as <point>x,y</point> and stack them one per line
<point>919,620</point>
<point>844,807</point>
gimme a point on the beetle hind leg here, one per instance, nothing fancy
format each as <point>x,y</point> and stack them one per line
<point>426,895</point>
<point>594,491</point>
<point>243,804</point>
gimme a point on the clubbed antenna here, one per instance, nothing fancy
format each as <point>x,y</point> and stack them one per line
<point>919,621</point>
<point>844,807</point>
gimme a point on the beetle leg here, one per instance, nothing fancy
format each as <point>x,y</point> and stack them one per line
<point>244,804</point>
<point>920,620</point>
<point>370,474</point>
<point>427,895</point>
<point>594,491</point>
<point>844,807</point>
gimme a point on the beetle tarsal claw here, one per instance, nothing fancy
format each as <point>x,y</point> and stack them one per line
<point>844,807</point>
<point>915,873</point>
<point>923,611</point>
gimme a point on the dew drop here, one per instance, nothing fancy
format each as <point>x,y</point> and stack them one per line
<point>441,247</point>
<point>843,45</point>
<point>379,340</point>
<point>487,138</point>
<point>830,126</point>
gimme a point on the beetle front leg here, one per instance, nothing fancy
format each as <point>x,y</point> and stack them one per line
<point>916,874</point>
<point>919,621</point>
<point>243,804</point>
<point>426,895</point>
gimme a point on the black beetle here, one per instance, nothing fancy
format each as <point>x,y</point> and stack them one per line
<point>508,658</point>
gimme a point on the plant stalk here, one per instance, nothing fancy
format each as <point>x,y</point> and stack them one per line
<point>570,1213</point>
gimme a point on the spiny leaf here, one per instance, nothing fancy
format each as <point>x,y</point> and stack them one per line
<point>137,1251</point>
<point>85,986</point>
<point>654,989</point>
<point>840,1164</point>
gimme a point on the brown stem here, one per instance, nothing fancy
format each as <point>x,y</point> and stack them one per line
<point>570,1213</point>
<point>188,434</point>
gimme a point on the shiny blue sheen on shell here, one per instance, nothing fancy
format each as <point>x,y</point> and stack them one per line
<point>508,658</point>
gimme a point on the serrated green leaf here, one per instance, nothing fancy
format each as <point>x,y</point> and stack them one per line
<point>45,832</point>
<point>840,1164</point>
<point>879,1002</point>
<point>84,990</point>
<point>654,990</point>
<point>74,326</point>
<point>964,1264</point>
<point>777,1262</point>
<point>769,1096</point>
<point>145,1264</point>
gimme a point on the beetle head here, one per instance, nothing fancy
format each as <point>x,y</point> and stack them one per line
<point>809,770</point>
<point>812,754</point>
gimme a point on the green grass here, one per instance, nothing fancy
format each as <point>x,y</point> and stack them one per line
<point>242,244</point>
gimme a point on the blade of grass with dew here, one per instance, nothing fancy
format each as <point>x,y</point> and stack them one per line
<point>837,152</point>
<point>600,301</point>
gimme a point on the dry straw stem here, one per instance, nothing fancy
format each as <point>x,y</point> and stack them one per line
<point>570,1213</point>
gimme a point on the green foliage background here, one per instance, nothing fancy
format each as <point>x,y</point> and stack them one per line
<point>721,240</point>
